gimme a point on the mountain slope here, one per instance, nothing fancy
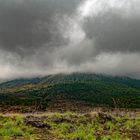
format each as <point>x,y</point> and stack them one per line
<point>70,78</point>
<point>98,90</point>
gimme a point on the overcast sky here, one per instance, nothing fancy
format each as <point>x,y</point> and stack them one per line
<point>40,37</point>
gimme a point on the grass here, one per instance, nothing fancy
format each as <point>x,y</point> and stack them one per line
<point>70,126</point>
<point>82,127</point>
<point>14,127</point>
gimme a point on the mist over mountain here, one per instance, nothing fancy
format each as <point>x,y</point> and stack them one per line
<point>44,37</point>
<point>69,78</point>
<point>69,69</point>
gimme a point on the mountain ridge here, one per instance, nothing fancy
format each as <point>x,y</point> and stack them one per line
<point>66,78</point>
<point>97,90</point>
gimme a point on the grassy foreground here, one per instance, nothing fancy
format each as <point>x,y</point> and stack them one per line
<point>69,126</point>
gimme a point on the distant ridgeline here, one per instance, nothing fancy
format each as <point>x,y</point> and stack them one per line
<point>98,90</point>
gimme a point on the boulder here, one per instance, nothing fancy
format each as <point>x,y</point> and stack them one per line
<point>36,122</point>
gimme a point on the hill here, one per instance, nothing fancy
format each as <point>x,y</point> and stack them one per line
<point>69,78</point>
<point>84,88</point>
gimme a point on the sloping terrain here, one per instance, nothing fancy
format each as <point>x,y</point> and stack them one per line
<point>86,88</point>
<point>69,78</point>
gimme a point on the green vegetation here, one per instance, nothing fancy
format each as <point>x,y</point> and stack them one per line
<point>14,127</point>
<point>98,90</point>
<point>69,126</point>
<point>94,127</point>
<point>28,95</point>
<point>91,126</point>
<point>99,93</point>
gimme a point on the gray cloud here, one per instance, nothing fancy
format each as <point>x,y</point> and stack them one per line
<point>39,37</point>
<point>113,32</point>
<point>26,25</point>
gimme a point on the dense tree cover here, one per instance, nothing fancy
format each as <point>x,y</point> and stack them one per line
<point>98,90</point>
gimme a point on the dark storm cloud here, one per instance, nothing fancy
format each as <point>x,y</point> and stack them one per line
<point>39,37</point>
<point>26,25</point>
<point>113,32</point>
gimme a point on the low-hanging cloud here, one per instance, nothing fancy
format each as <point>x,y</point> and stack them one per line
<point>39,37</point>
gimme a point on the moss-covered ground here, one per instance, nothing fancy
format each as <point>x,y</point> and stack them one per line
<point>69,126</point>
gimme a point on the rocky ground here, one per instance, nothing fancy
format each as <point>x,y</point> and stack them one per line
<point>69,126</point>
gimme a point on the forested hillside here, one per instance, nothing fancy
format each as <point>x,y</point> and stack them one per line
<point>97,90</point>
